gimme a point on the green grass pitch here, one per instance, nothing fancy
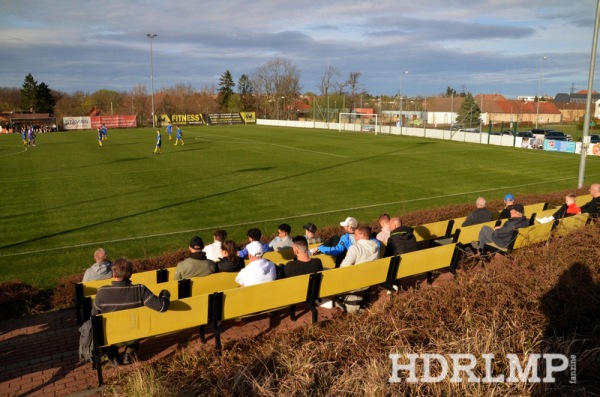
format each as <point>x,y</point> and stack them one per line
<point>67,196</point>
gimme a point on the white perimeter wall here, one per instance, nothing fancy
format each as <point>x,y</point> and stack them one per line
<point>472,137</point>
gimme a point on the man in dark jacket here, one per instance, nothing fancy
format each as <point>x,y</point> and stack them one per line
<point>593,207</point>
<point>480,215</point>
<point>502,235</point>
<point>401,240</point>
<point>123,295</point>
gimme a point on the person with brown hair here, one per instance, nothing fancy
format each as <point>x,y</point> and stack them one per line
<point>121,295</point>
<point>230,261</point>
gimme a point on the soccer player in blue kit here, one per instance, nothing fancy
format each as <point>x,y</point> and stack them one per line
<point>170,130</point>
<point>179,137</point>
<point>158,142</point>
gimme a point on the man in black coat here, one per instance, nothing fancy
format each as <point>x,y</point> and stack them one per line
<point>401,240</point>
<point>593,207</point>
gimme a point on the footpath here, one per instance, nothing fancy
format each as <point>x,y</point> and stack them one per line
<point>39,354</point>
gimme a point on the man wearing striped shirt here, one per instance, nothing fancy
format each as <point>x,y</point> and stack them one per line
<point>121,295</point>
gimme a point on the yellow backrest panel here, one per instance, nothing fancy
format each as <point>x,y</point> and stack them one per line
<point>469,234</point>
<point>428,231</point>
<point>278,257</point>
<point>345,279</point>
<point>458,223</point>
<point>533,209</point>
<point>143,322</point>
<point>213,283</point>
<point>583,199</point>
<point>571,223</point>
<point>328,261</point>
<point>244,301</point>
<point>538,233</point>
<point>146,278</point>
<point>426,260</point>
<point>171,286</point>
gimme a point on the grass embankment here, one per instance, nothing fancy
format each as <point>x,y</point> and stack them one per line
<point>544,299</point>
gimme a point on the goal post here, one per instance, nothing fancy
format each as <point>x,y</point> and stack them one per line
<point>365,122</point>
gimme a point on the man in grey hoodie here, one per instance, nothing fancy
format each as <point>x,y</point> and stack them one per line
<point>101,269</point>
<point>363,250</point>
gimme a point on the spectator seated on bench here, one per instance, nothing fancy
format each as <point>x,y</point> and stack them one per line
<point>121,295</point>
<point>593,207</point>
<point>363,250</point>
<point>310,232</point>
<point>303,264</point>
<point>401,239</point>
<point>570,208</point>
<point>503,235</point>
<point>196,265</point>
<point>101,269</point>
<point>259,270</point>
<point>230,261</point>
<point>481,214</point>
<point>283,239</point>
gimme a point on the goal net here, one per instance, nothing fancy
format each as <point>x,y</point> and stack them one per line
<point>367,122</point>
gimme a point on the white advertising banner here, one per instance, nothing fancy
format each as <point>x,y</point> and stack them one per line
<point>77,123</point>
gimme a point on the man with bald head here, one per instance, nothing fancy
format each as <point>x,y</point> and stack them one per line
<point>593,207</point>
<point>101,269</point>
<point>480,215</point>
<point>401,240</point>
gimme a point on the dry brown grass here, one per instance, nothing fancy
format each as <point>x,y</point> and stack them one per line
<point>541,299</point>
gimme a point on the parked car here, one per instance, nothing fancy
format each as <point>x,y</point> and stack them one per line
<point>525,134</point>
<point>469,130</point>
<point>541,131</point>
<point>594,138</point>
<point>556,136</point>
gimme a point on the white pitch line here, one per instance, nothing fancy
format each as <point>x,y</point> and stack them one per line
<point>12,154</point>
<point>212,228</point>
<point>282,146</point>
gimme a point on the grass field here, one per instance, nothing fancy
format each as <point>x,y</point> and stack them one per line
<point>68,196</point>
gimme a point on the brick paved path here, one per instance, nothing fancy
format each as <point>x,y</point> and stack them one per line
<point>39,354</point>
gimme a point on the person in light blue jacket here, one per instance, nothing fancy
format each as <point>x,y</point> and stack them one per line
<point>345,242</point>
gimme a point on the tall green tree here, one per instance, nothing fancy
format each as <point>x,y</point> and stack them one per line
<point>246,91</point>
<point>469,112</point>
<point>226,85</point>
<point>29,93</point>
<point>44,100</point>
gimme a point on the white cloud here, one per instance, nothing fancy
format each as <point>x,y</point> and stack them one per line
<point>487,46</point>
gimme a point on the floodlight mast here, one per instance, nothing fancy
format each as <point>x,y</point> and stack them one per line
<point>401,95</point>
<point>152,36</point>
<point>537,111</point>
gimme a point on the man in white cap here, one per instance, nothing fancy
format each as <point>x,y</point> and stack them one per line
<point>345,242</point>
<point>259,270</point>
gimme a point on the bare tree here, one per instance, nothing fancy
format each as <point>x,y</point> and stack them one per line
<point>326,83</point>
<point>279,82</point>
<point>354,86</point>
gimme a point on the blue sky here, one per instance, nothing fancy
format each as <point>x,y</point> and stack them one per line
<point>485,46</point>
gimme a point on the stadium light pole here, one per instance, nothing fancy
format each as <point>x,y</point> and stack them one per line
<point>401,94</point>
<point>151,37</point>
<point>537,111</point>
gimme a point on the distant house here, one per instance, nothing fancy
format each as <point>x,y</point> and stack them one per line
<point>572,106</point>
<point>495,108</point>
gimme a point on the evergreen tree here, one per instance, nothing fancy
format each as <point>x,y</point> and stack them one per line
<point>29,93</point>
<point>44,100</point>
<point>245,90</point>
<point>469,112</point>
<point>226,85</point>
